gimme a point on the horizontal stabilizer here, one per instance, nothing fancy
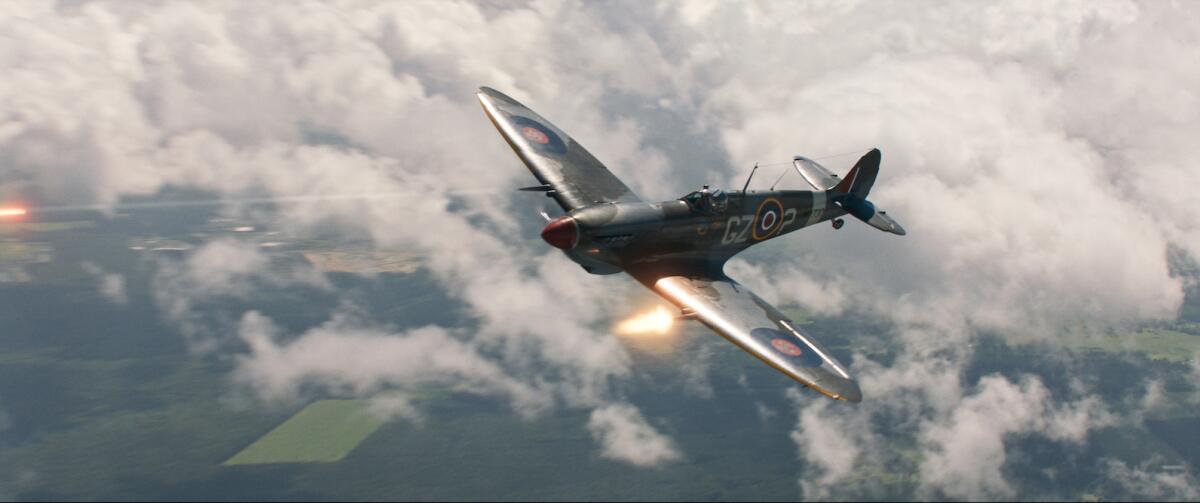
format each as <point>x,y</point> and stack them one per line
<point>815,174</point>
<point>851,194</point>
<point>864,210</point>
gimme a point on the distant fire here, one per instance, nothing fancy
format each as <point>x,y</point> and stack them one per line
<point>656,322</point>
<point>12,212</point>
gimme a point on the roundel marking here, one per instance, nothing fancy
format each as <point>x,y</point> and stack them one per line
<point>534,135</point>
<point>542,139</point>
<point>786,347</point>
<point>768,219</point>
<point>797,351</point>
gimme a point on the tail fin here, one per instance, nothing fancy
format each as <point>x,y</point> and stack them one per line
<point>851,194</point>
<point>861,177</point>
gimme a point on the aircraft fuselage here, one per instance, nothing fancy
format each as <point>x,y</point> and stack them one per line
<point>607,238</point>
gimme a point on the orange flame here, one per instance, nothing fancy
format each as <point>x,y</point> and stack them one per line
<point>656,322</point>
<point>12,212</point>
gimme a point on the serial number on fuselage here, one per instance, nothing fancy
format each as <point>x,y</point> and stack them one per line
<point>740,228</point>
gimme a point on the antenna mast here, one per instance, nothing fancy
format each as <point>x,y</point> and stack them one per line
<point>749,177</point>
<point>781,175</point>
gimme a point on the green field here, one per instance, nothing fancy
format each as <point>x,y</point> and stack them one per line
<point>25,253</point>
<point>1163,344</point>
<point>15,227</point>
<point>1156,344</point>
<point>1168,345</point>
<point>324,432</point>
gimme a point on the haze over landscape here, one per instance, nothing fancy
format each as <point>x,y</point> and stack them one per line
<point>370,314</point>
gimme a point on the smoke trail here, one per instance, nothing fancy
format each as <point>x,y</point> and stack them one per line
<point>203,203</point>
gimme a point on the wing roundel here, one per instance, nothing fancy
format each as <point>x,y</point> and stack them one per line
<point>746,320</point>
<point>577,179</point>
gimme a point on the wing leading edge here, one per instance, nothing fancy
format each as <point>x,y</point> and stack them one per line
<point>746,320</point>
<point>575,177</point>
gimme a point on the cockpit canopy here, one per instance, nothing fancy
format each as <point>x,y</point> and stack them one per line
<point>707,201</point>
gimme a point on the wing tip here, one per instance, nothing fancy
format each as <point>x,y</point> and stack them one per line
<point>845,390</point>
<point>485,93</point>
<point>490,93</point>
<point>853,394</point>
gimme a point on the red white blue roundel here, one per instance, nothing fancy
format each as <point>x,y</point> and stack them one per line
<point>786,347</point>
<point>540,137</point>
<point>768,219</point>
<point>535,135</point>
<point>793,348</point>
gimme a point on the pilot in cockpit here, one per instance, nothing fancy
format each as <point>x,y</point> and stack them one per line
<point>706,201</point>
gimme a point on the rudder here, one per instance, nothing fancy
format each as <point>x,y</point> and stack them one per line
<point>861,177</point>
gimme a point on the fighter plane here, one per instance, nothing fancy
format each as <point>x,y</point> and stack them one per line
<point>678,248</point>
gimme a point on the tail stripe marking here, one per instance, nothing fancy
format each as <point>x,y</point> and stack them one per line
<point>818,207</point>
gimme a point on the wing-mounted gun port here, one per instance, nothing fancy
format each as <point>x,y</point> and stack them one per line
<point>686,313</point>
<point>546,189</point>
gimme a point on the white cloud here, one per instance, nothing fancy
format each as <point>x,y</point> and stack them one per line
<point>789,284</point>
<point>220,96</point>
<point>992,158</point>
<point>837,441</point>
<point>1148,484</point>
<point>833,448</point>
<point>1040,194</point>
<point>1152,399</point>
<point>967,448</point>
<point>624,435</point>
<point>765,413</point>
<point>1039,156</point>
<point>396,404</point>
<point>179,93</point>
<point>222,267</point>
<point>110,285</point>
<point>1196,371</point>
<point>218,269</point>
<point>341,357</point>
<point>961,441</point>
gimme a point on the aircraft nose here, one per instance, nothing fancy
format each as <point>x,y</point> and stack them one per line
<point>561,233</point>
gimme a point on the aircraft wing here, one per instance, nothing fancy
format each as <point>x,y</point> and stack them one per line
<point>574,178</point>
<point>739,315</point>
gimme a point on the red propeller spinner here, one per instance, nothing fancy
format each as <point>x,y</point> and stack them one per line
<point>562,233</point>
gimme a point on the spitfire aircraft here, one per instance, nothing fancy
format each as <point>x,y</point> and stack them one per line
<point>678,248</point>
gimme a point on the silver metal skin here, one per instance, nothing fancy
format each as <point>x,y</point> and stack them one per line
<point>885,223</point>
<point>678,248</point>
<point>815,174</point>
<point>731,310</point>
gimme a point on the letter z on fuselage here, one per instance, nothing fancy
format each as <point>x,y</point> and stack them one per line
<point>678,248</point>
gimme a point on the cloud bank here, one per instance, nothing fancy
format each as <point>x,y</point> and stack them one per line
<point>1040,156</point>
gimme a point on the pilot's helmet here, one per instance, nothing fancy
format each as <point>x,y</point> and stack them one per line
<point>719,200</point>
